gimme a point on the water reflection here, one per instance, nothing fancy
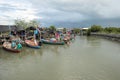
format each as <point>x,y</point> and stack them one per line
<point>91,41</point>
<point>94,41</point>
<point>26,51</point>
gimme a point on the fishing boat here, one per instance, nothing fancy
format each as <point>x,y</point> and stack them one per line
<point>53,43</point>
<point>7,47</point>
<point>32,44</point>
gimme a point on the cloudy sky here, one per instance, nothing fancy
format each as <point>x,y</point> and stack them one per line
<point>62,13</point>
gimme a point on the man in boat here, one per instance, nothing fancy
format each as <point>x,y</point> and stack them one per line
<point>57,36</point>
<point>13,44</point>
<point>19,46</point>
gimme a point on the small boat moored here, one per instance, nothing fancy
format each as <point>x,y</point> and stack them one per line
<point>53,43</point>
<point>7,47</point>
<point>32,44</point>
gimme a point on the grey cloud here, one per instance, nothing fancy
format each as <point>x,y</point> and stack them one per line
<point>79,12</point>
<point>87,23</point>
<point>9,7</point>
<point>74,13</point>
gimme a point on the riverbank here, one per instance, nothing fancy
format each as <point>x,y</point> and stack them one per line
<point>114,37</point>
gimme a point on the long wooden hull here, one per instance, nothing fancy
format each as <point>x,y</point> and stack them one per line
<point>31,44</point>
<point>53,43</point>
<point>10,49</point>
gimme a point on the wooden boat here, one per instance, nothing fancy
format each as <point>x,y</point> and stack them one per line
<point>53,43</point>
<point>7,47</point>
<point>32,44</point>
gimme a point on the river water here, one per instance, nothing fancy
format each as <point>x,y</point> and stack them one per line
<point>86,58</point>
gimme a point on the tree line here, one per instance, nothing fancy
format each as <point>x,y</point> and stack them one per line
<point>34,23</point>
<point>93,28</point>
<point>98,28</point>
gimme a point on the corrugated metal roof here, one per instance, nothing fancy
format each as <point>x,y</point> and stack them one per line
<point>5,28</point>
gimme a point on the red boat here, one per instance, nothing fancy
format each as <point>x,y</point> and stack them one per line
<point>7,47</point>
<point>32,44</point>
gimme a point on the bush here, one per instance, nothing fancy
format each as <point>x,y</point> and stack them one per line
<point>96,28</point>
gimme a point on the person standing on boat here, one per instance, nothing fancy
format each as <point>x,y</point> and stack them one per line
<point>35,36</point>
<point>36,33</point>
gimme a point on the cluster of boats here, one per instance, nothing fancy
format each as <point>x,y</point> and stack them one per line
<point>33,43</point>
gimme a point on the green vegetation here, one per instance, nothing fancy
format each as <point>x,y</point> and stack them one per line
<point>96,28</point>
<point>100,29</point>
<point>33,23</point>
<point>64,30</point>
<point>76,30</point>
<point>112,30</point>
<point>53,28</point>
<point>24,24</point>
<point>88,32</point>
<point>21,23</point>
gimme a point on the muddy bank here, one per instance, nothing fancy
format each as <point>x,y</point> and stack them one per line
<point>115,37</point>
